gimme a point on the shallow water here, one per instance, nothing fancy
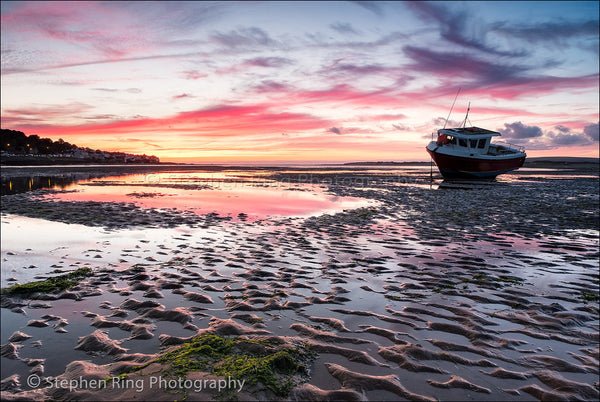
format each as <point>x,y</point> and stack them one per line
<point>438,279</point>
<point>227,194</point>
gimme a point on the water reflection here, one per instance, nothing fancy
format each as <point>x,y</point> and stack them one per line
<point>16,185</point>
<point>203,192</point>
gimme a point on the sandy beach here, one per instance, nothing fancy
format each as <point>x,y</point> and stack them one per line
<point>338,283</point>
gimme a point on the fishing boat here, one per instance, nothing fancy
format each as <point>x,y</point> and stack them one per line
<point>468,153</point>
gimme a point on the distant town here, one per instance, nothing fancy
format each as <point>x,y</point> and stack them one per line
<point>17,148</point>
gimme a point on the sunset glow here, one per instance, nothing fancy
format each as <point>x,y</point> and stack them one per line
<point>300,82</point>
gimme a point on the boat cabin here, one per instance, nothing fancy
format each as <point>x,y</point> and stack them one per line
<point>472,140</point>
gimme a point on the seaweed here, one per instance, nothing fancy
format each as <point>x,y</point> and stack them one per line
<point>60,282</point>
<point>265,363</point>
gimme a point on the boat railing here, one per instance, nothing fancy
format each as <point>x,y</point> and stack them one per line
<point>509,146</point>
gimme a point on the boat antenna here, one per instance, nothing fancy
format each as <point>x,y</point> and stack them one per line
<point>447,118</point>
<point>467,116</point>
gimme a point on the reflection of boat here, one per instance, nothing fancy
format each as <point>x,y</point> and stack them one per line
<point>468,153</point>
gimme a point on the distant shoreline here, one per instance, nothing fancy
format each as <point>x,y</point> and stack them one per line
<point>580,163</point>
<point>53,161</point>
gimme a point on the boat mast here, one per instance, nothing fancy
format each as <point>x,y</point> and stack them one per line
<point>449,113</point>
<point>467,116</point>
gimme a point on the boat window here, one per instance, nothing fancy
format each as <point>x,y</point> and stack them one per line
<point>481,143</point>
<point>473,143</point>
<point>451,140</point>
<point>462,142</point>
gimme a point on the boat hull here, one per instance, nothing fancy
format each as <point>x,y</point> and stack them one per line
<point>459,167</point>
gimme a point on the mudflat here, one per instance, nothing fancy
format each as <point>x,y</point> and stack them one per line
<point>352,283</point>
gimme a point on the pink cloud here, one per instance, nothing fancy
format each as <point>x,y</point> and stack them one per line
<point>337,95</point>
<point>218,121</point>
<point>182,96</point>
<point>193,75</point>
<point>85,32</point>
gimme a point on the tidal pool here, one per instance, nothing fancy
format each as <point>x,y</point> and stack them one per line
<point>226,194</point>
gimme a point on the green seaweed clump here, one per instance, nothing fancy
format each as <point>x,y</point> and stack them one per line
<point>589,297</point>
<point>60,282</point>
<point>276,366</point>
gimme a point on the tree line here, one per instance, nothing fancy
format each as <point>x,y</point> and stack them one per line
<point>16,142</point>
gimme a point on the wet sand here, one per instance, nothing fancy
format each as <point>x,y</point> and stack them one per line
<point>487,293</point>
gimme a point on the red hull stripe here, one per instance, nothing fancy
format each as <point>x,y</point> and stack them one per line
<point>460,164</point>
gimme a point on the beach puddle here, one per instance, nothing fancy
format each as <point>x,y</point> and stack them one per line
<point>235,195</point>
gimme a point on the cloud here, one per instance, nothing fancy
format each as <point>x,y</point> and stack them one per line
<point>182,96</point>
<point>568,138</point>
<point>82,63</point>
<point>491,79</point>
<point>344,28</point>
<point>519,130</point>
<point>334,130</point>
<point>260,62</point>
<point>357,70</point>
<point>591,131</point>
<point>459,26</point>
<point>193,75</point>
<point>95,26</point>
<point>371,6</point>
<point>43,114</point>
<point>460,64</point>
<point>128,90</point>
<point>555,31</point>
<point>54,35</point>
<point>269,86</point>
<point>534,138</point>
<point>219,121</point>
<point>338,95</point>
<point>268,62</point>
<point>246,39</point>
<point>105,89</point>
<point>400,127</point>
<point>102,117</point>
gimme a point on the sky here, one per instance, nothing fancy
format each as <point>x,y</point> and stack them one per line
<point>300,82</point>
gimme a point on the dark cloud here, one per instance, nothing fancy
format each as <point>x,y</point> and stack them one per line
<point>533,137</point>
<point>357,69</point>
<point>455,64</point>
<point>245,38</point>
<point>519,130</point>
<point>344,28</point>
<point>269,62</point>
<point>489,78</point>
<point>334,130</point>
<point>459,26</point>
<point>566,136</point>
<point>371,6</point>
<point>556,31</point>
<point>591,131</point>
<point>562,139</point>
